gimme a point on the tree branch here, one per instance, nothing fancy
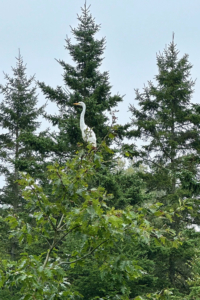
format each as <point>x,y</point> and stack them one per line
<point>71,262</point>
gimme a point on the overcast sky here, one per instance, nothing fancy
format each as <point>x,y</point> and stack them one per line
<point>135,31</point>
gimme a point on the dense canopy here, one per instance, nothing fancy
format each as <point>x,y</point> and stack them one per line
<point>115,221</point>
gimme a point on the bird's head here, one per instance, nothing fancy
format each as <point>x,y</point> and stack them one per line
<point>79,103</point>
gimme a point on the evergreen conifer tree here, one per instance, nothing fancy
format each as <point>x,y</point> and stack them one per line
<point>82,82</point>
<point>168,123</point>
<point>18,114</point>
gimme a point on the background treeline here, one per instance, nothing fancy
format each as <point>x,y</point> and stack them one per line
<point>117,222</point>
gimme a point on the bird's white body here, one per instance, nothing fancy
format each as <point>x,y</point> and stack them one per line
<point>88,134</point>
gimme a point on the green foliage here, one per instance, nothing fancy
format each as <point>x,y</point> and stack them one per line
<point>82,82</point>
<point>80,224</point>
<point>75,222</point>
<point>169,124</point>
<point>18,114</point>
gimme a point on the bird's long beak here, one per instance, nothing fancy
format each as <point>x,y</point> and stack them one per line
<point>75,103</point>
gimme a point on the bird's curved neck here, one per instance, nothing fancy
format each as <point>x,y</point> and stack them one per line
<point>82,121</point>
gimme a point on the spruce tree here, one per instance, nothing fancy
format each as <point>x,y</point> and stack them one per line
<point>168,123</point>
<point>82,82</point>
<point>18,114</point>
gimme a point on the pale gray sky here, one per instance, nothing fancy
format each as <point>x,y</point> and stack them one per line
<point>134,29</point>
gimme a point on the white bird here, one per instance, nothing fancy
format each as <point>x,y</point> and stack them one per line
<point>87,133</point>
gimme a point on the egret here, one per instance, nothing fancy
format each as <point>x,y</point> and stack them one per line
<point>87,133</point>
